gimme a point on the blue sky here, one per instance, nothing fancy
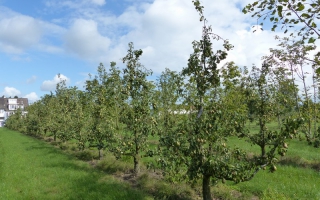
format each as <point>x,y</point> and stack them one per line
<point>41,38</point>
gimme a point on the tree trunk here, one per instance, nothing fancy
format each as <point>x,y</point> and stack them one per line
<point>136,169</point>
<point>136,159</point>
<point>100,154</point>
<point>296,93</point>
<point>314,106</point>
<point>263,153</point>
<point>206,188</point>
<point>279,121</point>
<point>308,136</point>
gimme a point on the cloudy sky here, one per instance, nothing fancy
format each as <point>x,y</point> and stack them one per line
<point>41,38</point>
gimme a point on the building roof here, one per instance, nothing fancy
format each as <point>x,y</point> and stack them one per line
<point>4,103</point>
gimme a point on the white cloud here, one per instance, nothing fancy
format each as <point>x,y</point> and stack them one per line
<point>50,49</point>
<point>50,85</point>
<point>249,46</point>
<point>165,30</point>
<point>31,80</point>
<point>167,27</point>
<point>84,40</point>
<point>10,92</point>
<point>32,97</point>
<point>99,2</point>
<point>20,57</point>
<point>18,33</point>
<point>78,5</point>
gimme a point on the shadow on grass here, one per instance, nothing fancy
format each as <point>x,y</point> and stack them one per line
<point>81,181</point>
<point>94,187</point>
<point>87,183</point>
<point>300,162</point>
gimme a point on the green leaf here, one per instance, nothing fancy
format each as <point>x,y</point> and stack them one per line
<point>313,5</point>
<point>305,15</point>
<point>318,71</point>
<point>300,6</point>
<point>274,27</point>
<point>311,40</point>
<point>244,10</point>
<point>279,8</point>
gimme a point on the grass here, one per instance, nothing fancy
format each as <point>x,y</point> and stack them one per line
<point>289,182</point>
<point>32,169</point>
<point>297,177</point>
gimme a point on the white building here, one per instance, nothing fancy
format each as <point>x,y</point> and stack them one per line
<point>9,105</point>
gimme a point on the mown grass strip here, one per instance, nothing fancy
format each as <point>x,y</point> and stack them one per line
<point>32,169</point>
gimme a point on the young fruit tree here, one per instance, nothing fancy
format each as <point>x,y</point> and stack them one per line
<point>294,55</point>
<point>167,96</point>
<point>198,147</point>
<point>261,91</point>
<point>136,114</point>
<point>102,120</point>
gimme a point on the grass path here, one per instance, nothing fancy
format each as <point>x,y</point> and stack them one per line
<point>32,169</point>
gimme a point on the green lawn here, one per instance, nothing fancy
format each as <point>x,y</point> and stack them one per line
<point>295,178</point>
<point>32,169</point>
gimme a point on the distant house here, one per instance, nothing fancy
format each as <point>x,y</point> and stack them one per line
<point>9,105</point>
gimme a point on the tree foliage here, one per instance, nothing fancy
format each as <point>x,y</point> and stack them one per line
<point>298,17</point>
<point>137,110</point>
